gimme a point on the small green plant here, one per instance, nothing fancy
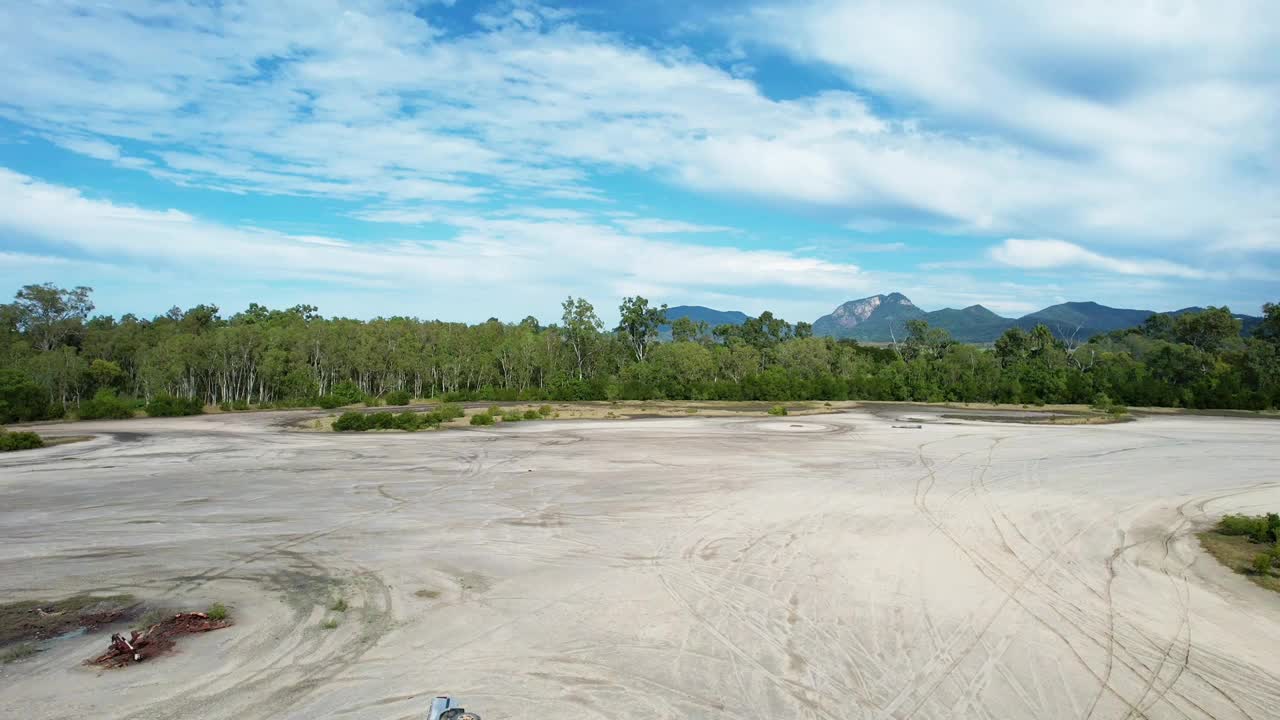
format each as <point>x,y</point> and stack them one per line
<point>545,411</point>
<point>398,397</point>
<point>450,411</point>
<point>495,410</point>
<point>18,652</point>
<point>1262,563</point>
<point>512,417</point>
<point>330,624</point>
<point>217,611</point>
<point>10,441</point>
<point>170,406</point>
<point>482,419</point>
<point>532,415</point>
<point>1259,528</point>
<point>778,410</point>
<point>106,405</point>
<point>339,605</point>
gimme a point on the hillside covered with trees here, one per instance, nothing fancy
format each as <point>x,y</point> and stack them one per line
<point>57,358</point>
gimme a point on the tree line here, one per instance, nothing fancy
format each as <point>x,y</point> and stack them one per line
<point>57,358</point>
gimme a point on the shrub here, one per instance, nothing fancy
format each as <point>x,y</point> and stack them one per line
<point>239,404</point>
<point>1262,563</point>
<point>351,422</point>
<point>512,417</point>
<point>339,605</point>
<point>777,410</point>
<point>11,441</point>
<point>372,401</point>
<point>330,624</point>
<point>347,392</point>
<point>532,415</point>
<point>1259,528</point>
<point>225,406</point>
<point>545,411</point>
<point>329,402</point>
<point>495,410</point>
<point>169,406</point>
<point>21,398</point>
<point>106,405</point>
<point>398,397</point>
<point>217,611</point>
<point>449,411</point>
<point>482,419</point>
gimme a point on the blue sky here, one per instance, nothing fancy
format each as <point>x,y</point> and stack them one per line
<point>463,160</point>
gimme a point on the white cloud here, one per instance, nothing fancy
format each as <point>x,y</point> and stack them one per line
<point>1045,254</point>
<point>534,259</point>
<point>657,226</point>
<point>1121,122</point>
<point>1134,125</point>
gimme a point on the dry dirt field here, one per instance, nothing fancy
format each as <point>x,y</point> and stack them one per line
<point>827,566</point>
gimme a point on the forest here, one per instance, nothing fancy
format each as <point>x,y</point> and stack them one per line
<point>59,359</point>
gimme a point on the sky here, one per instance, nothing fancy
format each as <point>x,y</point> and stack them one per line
<point>464,160</point>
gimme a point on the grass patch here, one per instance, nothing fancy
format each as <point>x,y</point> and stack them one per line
<point>427,594</point>
<point>17,652</point>
<point>330,624</point>
<point>1240,554</point>
<point>217,611</point>
<point>339,605</point>
<point>33,620</point>
<point>778,410</point>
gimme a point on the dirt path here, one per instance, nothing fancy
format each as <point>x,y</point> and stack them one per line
<point>817,567</point>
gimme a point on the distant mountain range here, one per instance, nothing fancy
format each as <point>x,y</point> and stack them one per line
<point>881,318</point>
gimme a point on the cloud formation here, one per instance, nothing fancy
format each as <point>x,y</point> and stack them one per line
<point>1043,254</point>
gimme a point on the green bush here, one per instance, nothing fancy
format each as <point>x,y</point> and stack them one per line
<point>351,422</point>
<point>450,411</point>
<point>106,405</point>
<point>398,397</point>
<point>494,410</point>
<point>169,406</point>
<point>545,411</point>
<point>1262,563</point>
<point>777,410</point>
<point>408,421</point>
<point>329,402</point>
<point>372,401</point>
<point>348,392</point>
<point>512,417</point>
<point>1259,528</point>
<point>21,398</point>
<point>217,611</point>
<point>482,419</point>
<point>10,441</point>
<point>532,415</point>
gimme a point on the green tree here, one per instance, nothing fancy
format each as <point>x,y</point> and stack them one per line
<point>1269,328</point>
<point>1207,330</point>
<point>48,314</point>
<point>581,330</point>
<point>639,324</point>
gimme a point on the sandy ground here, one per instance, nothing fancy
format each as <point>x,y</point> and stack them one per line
<point>828,566</point>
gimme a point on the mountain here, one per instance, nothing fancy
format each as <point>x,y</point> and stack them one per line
<point>880,318</point>
<point>974,324</point>
<point>1247,322</point>
<point>1083,319</point>
<point>875,318</point>
<point>698,313</point>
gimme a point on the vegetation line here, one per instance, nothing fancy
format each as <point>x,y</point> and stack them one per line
<point>56,360</point>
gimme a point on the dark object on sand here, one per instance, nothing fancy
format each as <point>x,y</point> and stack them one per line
<point>444,708</point>
<point>155,640</point>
